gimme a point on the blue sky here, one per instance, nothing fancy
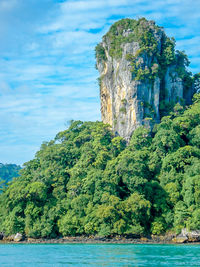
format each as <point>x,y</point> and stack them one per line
<point>47,64</point>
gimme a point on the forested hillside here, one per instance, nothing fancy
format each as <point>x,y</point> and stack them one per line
<point>8,171</point>
<point>87,181</point>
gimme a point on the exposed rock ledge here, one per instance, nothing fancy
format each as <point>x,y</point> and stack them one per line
<point>184,237</point>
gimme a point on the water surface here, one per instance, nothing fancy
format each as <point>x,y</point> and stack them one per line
<point>98,255</point>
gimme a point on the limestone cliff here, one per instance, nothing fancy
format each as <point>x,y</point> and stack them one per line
<point>141,75</point>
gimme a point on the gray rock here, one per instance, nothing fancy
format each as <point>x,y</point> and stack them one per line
<point>193,236</point>
<point>180,239</point>
<point>18,237</point>
<point>187,236</point>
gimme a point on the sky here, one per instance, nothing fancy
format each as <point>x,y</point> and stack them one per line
<point>47,62</point>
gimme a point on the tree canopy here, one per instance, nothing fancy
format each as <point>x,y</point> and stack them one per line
<point>87,181</point>
<point>8,172</point>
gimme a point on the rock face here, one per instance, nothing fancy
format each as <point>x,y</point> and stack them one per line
<point>141,75</point>
<point>187,236</point>
<point>18,237</point>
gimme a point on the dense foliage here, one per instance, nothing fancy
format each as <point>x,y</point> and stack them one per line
<point>86,181</point>
<point>7,172</point>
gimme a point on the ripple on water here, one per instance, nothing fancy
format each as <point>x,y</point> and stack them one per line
<point>98,255</point>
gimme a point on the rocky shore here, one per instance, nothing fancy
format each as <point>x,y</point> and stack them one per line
<point>184,237</point>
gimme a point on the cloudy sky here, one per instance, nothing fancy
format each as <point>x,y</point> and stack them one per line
<point>47,64</point>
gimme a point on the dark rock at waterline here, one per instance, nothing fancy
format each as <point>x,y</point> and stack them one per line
<point>1,235</point>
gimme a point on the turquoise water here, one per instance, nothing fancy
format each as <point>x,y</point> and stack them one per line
<point>98,255</point>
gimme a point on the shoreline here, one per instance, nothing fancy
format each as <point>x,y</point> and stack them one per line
<point>95,240</point>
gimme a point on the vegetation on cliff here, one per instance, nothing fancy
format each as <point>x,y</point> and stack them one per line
<point>86,181</point>
<point>146,34</point>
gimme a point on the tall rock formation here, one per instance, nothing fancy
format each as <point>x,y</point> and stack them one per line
<point>141,75</point>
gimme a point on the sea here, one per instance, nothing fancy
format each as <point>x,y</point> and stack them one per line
<point>99,255</point>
